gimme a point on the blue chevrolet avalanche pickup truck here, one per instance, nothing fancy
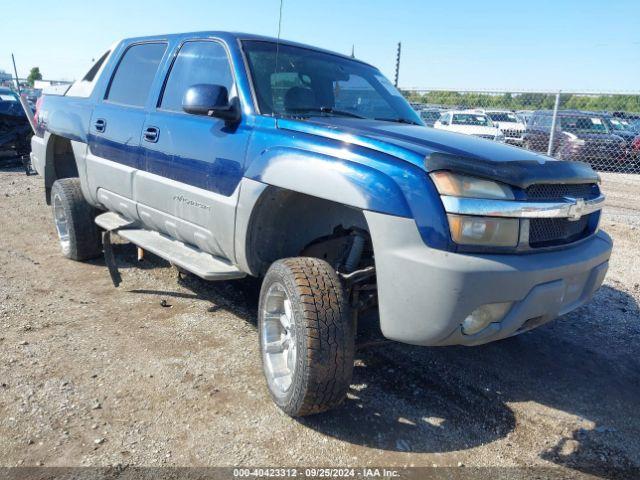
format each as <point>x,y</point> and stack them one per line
<point>232,155</point>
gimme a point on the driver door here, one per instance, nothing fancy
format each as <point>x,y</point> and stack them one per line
<point>193,163</point>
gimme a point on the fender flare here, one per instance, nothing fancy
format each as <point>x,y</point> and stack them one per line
<point>342,181</point>
<point>79,150</point>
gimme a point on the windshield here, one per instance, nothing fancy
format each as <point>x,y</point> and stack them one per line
<point>311,83</point>
<point>471,119</point>
<point>430,114</point>
<point>503,117</point>
<point>583,124</point>
<point>619,125</point>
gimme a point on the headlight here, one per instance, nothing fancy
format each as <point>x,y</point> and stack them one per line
<point>487,231</point>
<point>500,137</point>
<point>456,185</point>
<point>477,230</point>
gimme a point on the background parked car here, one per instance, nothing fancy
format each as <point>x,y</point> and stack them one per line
<point>510,124</point>
<point>15,130</point>
<point>579,136</point>
<point>635,151</point>
<point>622,128</point>
<point>469,122</point>
<point>32,94</point>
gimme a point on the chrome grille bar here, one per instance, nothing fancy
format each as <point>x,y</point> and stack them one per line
<point>570,208</point>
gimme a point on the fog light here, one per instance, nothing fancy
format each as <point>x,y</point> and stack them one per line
<point>482,316</point>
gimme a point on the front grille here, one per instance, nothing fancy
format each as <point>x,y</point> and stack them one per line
<point>547,232</point>
<point>559,191</point>
<point>509,133</point>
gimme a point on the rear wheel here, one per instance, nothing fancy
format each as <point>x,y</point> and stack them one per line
<point>74,220</point>
<point>307,336</point>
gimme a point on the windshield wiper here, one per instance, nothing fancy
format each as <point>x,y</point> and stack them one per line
<point>331,111</point>
<point>397,120</point>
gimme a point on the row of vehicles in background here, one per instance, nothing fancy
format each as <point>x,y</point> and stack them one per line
<point>606,141</point>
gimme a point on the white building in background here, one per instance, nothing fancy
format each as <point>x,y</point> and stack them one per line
<point>5,78</point>
<point>52,86</point>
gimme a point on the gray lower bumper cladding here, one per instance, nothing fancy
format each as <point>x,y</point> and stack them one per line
<point>425,294</point>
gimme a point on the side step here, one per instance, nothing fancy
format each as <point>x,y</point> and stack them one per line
<point>192,259</point>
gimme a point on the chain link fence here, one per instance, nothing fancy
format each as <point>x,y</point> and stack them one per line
<point>602,129</point>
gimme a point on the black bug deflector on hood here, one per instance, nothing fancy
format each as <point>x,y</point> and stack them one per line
<point>522,174</point>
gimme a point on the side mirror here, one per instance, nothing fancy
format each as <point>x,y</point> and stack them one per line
<point>210,100</point>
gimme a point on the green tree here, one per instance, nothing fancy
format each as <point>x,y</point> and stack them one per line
<point>527,101</point>
<point>34,75</point>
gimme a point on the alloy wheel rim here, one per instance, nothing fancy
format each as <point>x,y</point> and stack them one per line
<point>278,339</point>
<point>62,223</point>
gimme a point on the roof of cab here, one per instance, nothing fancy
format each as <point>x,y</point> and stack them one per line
<point>233,36</point>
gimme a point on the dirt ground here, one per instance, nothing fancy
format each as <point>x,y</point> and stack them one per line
<point>99,376</point>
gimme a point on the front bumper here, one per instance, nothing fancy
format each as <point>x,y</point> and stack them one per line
<point>424,294</point>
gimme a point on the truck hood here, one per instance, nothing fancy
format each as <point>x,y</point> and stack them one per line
<point>595,137</point>
<point>412,143</point>
<point>416,144</point>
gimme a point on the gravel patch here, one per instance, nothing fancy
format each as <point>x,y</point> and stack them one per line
<point>91,375</point>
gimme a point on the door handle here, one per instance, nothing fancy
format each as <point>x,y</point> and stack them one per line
<point>151,134</point>
<point>100,125</point>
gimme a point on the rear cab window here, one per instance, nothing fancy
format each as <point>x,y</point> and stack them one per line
<point>134,75</point>
<point>84,87</point>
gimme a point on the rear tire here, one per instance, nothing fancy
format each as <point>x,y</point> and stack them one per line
<point>307,336</point>
<point>75,221</point>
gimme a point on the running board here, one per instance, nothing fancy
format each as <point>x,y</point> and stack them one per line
<point>192,259</point>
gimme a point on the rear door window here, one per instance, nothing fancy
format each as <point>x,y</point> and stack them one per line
<point>543,121</point>
<point>197,62</point>
<point>134,75</point>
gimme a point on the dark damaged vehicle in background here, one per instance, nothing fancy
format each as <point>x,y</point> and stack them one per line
<point>578,136</point>
<point>15,130</point>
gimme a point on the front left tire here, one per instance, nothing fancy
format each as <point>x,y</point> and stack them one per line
<point>307,336</point>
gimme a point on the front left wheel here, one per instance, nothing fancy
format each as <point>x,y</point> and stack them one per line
<point>307,336</point>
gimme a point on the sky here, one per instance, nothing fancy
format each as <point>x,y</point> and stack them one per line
<point>540,45</point>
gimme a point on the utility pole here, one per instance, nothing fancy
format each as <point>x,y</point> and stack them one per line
<point>398,63</point>
<point>554,120</point>
<point>16,72</point>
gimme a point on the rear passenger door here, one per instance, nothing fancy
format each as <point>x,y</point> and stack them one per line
<point>116,124</point>
<point>194,163</point>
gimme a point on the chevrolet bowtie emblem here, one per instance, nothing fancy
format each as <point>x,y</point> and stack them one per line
<point>577,209</point>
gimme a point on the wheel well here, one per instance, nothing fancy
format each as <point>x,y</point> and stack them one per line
<point>61,163</point>
<point>287,224</point>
